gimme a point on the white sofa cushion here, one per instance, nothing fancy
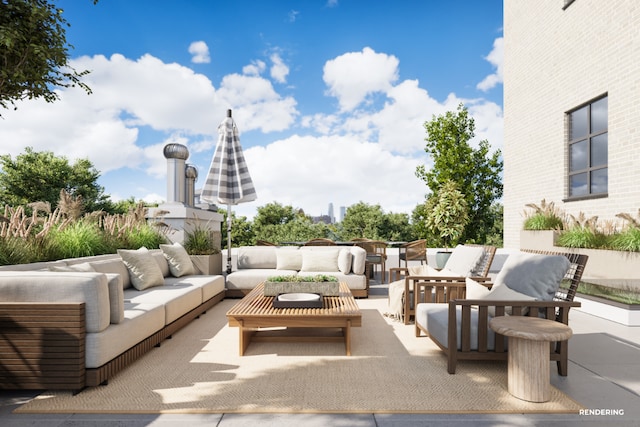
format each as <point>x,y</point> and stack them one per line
<point>344,261</point>
<point>113,266</point>
<point>358,262</point>
<point>144,270</point>
<point>210,285</point>
<point>257,257</point>
<point>177,298</point>
<point>45,286</point>
<point>250,278</point>
<point>288,259</point>
<point>140,321</point>
<point>178,259</point>
<point>535,275</point>
<point>114,282</point>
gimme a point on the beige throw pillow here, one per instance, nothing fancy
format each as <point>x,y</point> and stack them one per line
<point>320,260</point>
<point>179,260</point>
<point>144,271</point>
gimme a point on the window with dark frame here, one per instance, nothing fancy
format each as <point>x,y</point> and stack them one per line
<point>588,150</point>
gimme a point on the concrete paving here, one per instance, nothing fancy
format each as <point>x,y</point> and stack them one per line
<point>604,376</point>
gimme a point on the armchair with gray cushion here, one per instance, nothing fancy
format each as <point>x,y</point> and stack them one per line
<point>539,284</point>
<point>465,261</point>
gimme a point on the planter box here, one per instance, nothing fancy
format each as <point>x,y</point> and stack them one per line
<point>210,265</point>
<point>327,289</point>
<point>625,314</point>
<point>615,269</point>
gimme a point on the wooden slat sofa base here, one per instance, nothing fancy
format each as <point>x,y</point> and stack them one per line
<point>42,346</point>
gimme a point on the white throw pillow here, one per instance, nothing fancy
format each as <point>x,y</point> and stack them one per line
<point>179,260</point>
<point>322,261</point>
<point>504,293</point>
<point>475,290</point>
<point>143,269</point>
<point>288,259</point>
<point>344,261</point>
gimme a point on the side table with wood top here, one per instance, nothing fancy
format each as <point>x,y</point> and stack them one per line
<point>528,355</point>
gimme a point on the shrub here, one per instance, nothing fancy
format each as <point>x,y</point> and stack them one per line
<point>539,221</point>
<point>581,237</point>
<point>79,239</point>
<point>144,235</point>
<point>200,241</point>
<point>545,216</point>
<point>628,240</point>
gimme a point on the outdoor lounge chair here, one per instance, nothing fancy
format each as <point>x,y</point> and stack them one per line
<point>465,261</point>
<point>465,321</point>
<point>320,242</point>
<point>412,251</point>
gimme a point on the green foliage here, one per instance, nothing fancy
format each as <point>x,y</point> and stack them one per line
<point>298,278</point>
<point>241,230</point>
<point>447,213</point>
<point>15,250</point>
<point>201,241</point>
<point>40,176</point>
<point>625,296</point>
<point>34,53</point>
<point>544,217</point>
<point>79,239</point>
<point>581,237</point>
<point>144,235</point>
<point>476,172</point>
<point>627,240</point>
<point>363,220</point>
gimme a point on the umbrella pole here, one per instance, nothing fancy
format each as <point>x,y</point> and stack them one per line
<point>228,239</point>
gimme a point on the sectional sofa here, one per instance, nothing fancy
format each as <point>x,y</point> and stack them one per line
<point>256,263</point>
<point>75,323</point>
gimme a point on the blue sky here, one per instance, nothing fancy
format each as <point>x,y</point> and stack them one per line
<point>330,96</point>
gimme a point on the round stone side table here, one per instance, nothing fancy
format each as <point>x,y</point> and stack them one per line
<point>528,354</point>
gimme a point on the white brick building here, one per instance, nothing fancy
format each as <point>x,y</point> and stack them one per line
<point>571,108</point>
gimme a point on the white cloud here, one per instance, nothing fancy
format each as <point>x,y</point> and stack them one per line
<point>200,52</point>
<point>255,68</point>
<point>351,154</point>
<point>496,58</point>
<point>279,70</point>
<point>293,15</point>
<point>310,172</point>
<point>353,76</point>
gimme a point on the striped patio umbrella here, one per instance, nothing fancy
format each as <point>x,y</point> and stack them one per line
<point>228,181</point>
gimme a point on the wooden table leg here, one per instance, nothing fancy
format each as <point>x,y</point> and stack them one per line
<point>244,338</point>
<point>528,370</point>
<point>347,337</point>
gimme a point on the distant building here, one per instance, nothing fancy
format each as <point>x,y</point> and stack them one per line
<point>330,213</point>
<point>343,211</point>
<point>322,218</point>
<point>571,108</point>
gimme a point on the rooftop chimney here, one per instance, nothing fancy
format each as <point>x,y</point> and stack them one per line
<point>176,154</point>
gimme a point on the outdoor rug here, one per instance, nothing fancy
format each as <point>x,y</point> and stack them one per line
<point>390,371</point>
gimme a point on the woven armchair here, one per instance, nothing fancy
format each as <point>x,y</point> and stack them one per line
<point>467,321</point>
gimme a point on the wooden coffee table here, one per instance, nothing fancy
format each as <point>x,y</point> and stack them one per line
<point>256,311</point>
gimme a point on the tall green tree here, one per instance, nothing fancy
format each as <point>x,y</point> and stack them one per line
<point>476,171</point>
<point>34,53</point>
<point>363,220</point>
<point>39,176</point>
